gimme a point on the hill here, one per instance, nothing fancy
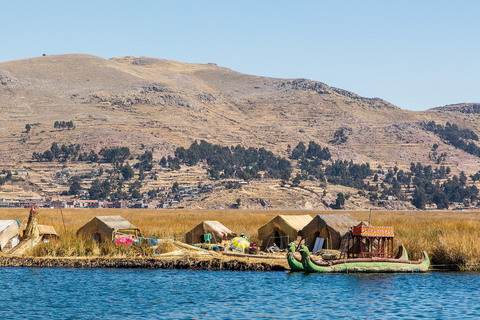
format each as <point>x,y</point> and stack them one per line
<point>158,105</point>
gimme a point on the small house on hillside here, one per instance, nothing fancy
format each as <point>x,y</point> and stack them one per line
<point>282,230</point>
<point>108,228</point>
<point>217,231</point>
<point>9,234</point>
<point>329,227</point>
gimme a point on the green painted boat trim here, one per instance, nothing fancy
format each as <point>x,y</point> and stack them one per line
<point>294,263</point>
<point>363,265</point>
<point>402,253</point>
<point>405,254</point>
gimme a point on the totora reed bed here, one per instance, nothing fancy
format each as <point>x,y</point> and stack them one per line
<point>451,238</point>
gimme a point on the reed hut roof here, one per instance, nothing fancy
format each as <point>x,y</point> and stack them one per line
<point>337,226</point>
<point>288,224</point>
<point>44,230</point>
<point>8,230</point>
<point>108,227</point>
<point>218,231</point>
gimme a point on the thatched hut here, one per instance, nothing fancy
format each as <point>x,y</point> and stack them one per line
<point>9,234</point>
<point>108,228</point>
<point>330,227</point>
<point>217,231</point>
<point>47,233</point>
<point>282,230</point>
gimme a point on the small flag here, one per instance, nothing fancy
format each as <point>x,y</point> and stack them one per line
<point>32,209</point>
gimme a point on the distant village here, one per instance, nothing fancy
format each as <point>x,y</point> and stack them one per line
<point>164,198</point>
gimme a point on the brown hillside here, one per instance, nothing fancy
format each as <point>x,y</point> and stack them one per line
<point>163,104</point>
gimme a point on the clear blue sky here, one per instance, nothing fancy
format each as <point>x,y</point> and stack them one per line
<point>416,54</point>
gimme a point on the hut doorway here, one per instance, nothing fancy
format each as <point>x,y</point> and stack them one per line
<point>97,237</point>
<point>280,239</point>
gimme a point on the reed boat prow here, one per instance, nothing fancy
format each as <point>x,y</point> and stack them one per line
<point>294,263</point>
<point>402,253</point>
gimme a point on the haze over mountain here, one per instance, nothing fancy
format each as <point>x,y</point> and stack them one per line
<point>143,102</point>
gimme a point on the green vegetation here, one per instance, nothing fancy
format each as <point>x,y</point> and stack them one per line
<point>6,176</point>
<point>459,138</point>
<point>75,185</point>
<point>314,152</point>
<point>340,136</point>
<point>61,154</point>
<point>429,189</point>
<point>225,162</point>
<point>127,171</point>
<point>422,185</point>
<point>72,152</point>
<point>115,155</point>
<point>64,124</point>
<point>145,161</point>
<point>100,189</point>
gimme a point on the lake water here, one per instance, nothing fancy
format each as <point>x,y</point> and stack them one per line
<point>36,293</point>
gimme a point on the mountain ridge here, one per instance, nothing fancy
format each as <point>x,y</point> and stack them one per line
<point>159,104</point>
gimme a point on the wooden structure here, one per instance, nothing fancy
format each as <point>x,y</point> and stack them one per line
<point>217,231</point>
<point>109,228</point>
<point>282,230</point>
<point>370,242</point>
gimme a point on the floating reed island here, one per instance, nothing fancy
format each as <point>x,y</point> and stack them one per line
<point>451,238</point>
<point>183,261</point>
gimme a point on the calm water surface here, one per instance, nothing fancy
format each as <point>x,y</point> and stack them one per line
<point>35,293</point>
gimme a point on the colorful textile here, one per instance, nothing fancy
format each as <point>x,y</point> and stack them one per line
<point>124,241</point>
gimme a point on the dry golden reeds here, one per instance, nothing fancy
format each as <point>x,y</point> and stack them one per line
<point>449,237</point>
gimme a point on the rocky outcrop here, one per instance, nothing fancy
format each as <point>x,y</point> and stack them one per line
<point>467,108</point>
<point>7,80</point>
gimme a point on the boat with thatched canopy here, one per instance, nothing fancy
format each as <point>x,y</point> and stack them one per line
<point>365,249</point>
<point>363,264</point>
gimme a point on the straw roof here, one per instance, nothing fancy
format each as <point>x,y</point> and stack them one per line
<point>116,222</point>
<point>8,230</point>
<point>218,231</point>
<point>45,230</point>
<point>289,225</point>
<point>337,225</point>
<point>107,227</point>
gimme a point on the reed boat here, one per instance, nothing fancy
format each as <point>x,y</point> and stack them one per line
<point>364,249</point>
<point>311,265</point>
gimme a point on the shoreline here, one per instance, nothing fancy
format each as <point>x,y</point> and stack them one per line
<point>449,237</point>
<point>185,263</point>
<point>141,262</point>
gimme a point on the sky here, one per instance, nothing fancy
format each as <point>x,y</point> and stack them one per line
<point>415,54</point>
